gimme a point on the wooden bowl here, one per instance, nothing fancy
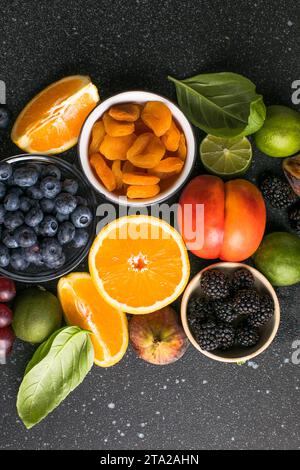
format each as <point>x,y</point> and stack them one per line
<point>268,331</point>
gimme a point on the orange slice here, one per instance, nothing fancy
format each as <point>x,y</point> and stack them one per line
<point>83,306</point>
<point>51,122</point>
<point>139,264</point>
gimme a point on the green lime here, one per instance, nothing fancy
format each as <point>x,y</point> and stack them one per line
<point>278,258</point>
<point>280,134</point>
<point>37,314</point>
<point>226,157</point>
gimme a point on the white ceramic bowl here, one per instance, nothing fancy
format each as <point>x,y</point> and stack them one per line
<point>136,97</point>
<point>267,332</point>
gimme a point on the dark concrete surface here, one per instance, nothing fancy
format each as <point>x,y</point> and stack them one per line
<point>195,403</point>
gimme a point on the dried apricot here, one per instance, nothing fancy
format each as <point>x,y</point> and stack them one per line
<point>181,152</point>
<point>169,165</point>
<point>103,171</point>
<point>157,116</point>
<point>115,148</point>
<point>125,112</point>
<point>117,171</point>
<point>146,151</point>
<point>98,133</point>
<point>117,128</point>
<point>139,179</point>
<point>171,138</point>
<point>142,192</point>
<point>140,127</point>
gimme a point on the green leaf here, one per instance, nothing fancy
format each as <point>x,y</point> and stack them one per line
<point>58,366</point>
<point>41,351</point>
<point>222,104</point>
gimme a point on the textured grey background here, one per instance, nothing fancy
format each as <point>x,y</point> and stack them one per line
<point>195,403</point>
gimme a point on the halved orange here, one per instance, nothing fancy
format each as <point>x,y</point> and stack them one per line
<point>139,264</point>
<point>51,122</point>
<point>83,306</point>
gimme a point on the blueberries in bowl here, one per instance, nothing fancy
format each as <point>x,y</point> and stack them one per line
<point>50,187</point>
<point>43,217</point>
<point>5,171</point>
<point>65,203</point>
<point>81,217</point>
<point>25,176</point>
<point>66,233</point>
<point>49,226</point>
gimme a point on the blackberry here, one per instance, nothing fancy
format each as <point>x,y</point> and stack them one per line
<point>226,335</point>
<point>214,284</point>
<point>264,314</point>
<point>246,302</point>
<point>207,335</point>
<point>224,311</point>
<point>198,310</point>
<point>277,192</point>
<point>294,217</point>
<point>247,336</point>
<point>242,279</point>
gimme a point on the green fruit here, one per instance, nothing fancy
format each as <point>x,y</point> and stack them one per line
<point>227,158</point>
<point>278,258</point>
<point>37,314</point>
<point>280,134</point>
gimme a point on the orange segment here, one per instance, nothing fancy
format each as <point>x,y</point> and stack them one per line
<point>139,264</point>
<point>83,306</point>
<point>51,122</point>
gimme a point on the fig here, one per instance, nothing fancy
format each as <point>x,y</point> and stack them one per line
<point>291,168</point>
<point>158,338</point>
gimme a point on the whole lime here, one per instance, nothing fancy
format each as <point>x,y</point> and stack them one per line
<point>37,314</point>
<point>280,134</point>
<point>278,258</point>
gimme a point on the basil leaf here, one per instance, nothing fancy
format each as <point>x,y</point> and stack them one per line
<point>222,104</point>
<point>41,351</point>
<point>61,364</point>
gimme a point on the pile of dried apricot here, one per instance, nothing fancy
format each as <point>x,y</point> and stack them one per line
<point>135,150</point>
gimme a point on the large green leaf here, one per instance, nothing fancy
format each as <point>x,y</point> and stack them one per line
<point>58,366</point>
<point>222,104</point>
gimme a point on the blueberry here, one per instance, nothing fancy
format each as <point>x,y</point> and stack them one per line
<point>4,256</point>
<point>13,220</point>
<point>2,190</point>
<point>4,117</point>
<point>47,205</point>
<point>81,201</point>
<point>48,227</point>
<point>33,255</point>
<point>5,171</point>
<point>65,233</point>
<point>81,238</point>
<point>50,187</point>
<point>9,239</point>
<point>65,203</point>
<point>51,170</point>
<point>70,186</point>
<point>35,192</point>
<point>25,204</point>
<point>18,260</point>
<point>61,217</point>
<point>25,236</point>
<point>34,217</point>
<point>56,263</point>
<point>26,176</point>
<point>2,213</point>
<point>51,250</point>
<point>81,217</point>
<point>11,202</point>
